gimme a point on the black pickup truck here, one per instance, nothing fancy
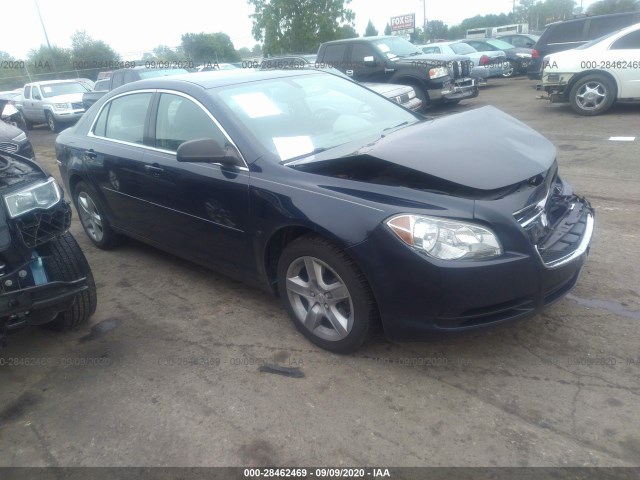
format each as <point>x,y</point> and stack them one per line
<point>123,76</point>
<point>392,59</point>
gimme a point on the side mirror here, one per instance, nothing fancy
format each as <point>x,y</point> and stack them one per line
<point>37,97</point>
<point>208,150</point>
<point>369,61</point>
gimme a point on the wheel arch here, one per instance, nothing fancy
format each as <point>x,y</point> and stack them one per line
<point>581,75</point>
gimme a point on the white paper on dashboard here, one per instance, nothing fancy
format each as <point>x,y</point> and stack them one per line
<point>257,105</point>
<point>289,147</point>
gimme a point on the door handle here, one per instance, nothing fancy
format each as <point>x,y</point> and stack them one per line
<point>153,170</point>
<point>90,154</point>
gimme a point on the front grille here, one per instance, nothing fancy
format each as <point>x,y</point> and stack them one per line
<point>38,227</point>
<point>466,68</point>
<point>77,106</point>
<point>8,147</point>
<point>557,224</point>
<point>456,69</point>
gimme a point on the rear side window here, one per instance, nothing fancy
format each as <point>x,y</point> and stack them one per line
<point>124,118</point>
<point>628,42</point>
<point>604,25</point>
<point>179,119</point>
<point>27,92</point>
<point>566,33</point>
<point>431,49</point>
<point>334,54</point>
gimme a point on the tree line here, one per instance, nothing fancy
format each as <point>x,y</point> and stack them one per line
<point>280,27</point>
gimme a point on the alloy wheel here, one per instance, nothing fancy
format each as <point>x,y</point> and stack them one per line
<point>591,95</point>
<point>320,298</point>
<point>90,217</point>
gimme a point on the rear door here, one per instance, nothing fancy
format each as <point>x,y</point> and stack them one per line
<point>624,56</point>
<point>115,160</point>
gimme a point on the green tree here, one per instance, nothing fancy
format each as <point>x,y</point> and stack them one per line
<point>256,50</point>
<point>613,6</point>
<point>90,56</point>
<point>163,53</point>
<point>209,47</point>
<point>370,31</point>
<point>437,29</point>
<point>387,29</point>
<point>45,64</point>
<point>346,31</point>
<point>289,26</point>
<point>244,52</point>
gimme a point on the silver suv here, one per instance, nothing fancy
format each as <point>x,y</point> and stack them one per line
<point>54,101</point>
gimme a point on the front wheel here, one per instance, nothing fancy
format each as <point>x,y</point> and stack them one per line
<point>52,122</point>
<point>325,294</point>
<point>64,261</point>
<point>592,95</point>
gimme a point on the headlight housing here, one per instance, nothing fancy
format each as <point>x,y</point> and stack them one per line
<point>438,72</point>
<point>445,239</point>
<point>21,137</point>
<point>61,106</point>
<point>42,195</point>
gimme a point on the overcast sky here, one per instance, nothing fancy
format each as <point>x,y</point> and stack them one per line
<point>134,27</point>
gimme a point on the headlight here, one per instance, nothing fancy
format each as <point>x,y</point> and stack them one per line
<point>523,55</point>
<point>39,196</point>
<point>61,106</point>
<point>438,72</point>
<point>445,239</point>
<point>20,138</point>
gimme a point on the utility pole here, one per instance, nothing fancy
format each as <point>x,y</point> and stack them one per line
<point>424,21</point>
<point>53,58</point>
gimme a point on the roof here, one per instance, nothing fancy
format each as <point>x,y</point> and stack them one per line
<point>361,39</point>
<point>221,78</point>
<point>49,82</point>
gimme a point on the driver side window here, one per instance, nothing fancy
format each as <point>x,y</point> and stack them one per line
<point>179,120</point>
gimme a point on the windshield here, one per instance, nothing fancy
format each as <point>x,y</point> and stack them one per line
<point>152,72</point>
<point>296,116</point>
<point>501,44</point>
<point>55,89</point>
<point>462,48</point>
<point>394,47</point>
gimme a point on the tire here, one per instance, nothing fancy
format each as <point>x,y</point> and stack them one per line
<point>51,122</point>
<point>511,72</point>
<point>65,261</point>
<point>92,217</point>
<point>421,94</point>
<point>340,324</point>
<point>592,95</point>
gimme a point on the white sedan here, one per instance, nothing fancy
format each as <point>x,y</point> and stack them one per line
<point>595,75</point>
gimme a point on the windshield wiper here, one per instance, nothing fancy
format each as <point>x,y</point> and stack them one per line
<point>308,154</point>
<point>393,128</point>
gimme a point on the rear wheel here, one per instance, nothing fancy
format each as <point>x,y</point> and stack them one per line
<point>592,95</point>
<point>325,294</point>
<point>510,71</point>
<point>92,217</point>
<point>65,262</point>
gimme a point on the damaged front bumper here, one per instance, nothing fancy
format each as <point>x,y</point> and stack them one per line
<point>461,89</point>
<point>556,86</point>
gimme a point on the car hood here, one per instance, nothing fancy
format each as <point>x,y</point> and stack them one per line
<point>484,149</point>
<point>68,98</point>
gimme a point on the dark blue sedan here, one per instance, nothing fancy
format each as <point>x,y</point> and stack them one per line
<point>352,209</point>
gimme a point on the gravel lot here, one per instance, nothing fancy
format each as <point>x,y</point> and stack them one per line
<point>166,372</point>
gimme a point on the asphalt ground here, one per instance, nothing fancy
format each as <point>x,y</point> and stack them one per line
<point>166,373</point>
